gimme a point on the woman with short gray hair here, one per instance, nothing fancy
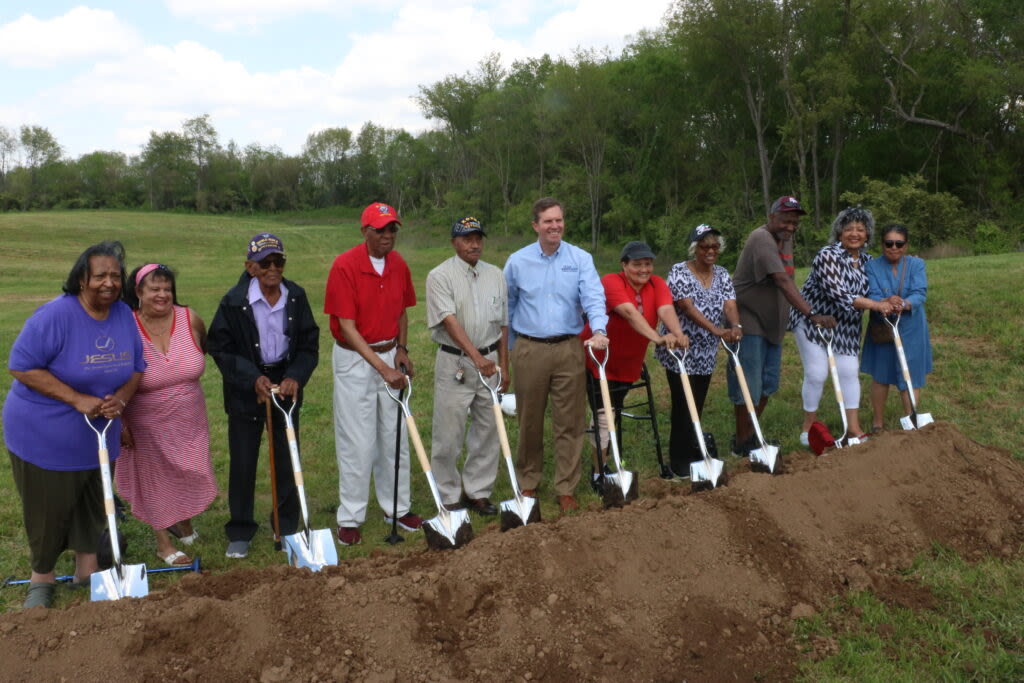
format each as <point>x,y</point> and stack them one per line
<point>837,286</point>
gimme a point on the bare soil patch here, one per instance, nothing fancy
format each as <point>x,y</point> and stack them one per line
<point>675,586</point>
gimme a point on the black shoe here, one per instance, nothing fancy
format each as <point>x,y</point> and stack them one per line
<point>743,450</point>
<point>481,506</point>
<point>597,481</point>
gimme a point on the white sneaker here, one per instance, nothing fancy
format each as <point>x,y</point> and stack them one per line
<point>804,441</point>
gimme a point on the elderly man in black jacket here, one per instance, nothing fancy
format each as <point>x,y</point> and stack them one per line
<point>262,335</point>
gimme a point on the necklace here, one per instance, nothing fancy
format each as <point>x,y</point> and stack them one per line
<point>703,278</point>
<point>151,331</point>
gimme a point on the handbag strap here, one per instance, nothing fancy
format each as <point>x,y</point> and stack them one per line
<point>903,272</point>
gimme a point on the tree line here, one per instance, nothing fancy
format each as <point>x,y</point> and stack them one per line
<point>910,107</point>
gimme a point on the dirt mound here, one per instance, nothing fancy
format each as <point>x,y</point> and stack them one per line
<point>675,586</point>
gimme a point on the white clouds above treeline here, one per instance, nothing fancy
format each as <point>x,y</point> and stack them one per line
<point>107,84</point>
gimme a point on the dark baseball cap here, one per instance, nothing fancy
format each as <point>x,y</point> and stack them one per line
<point>697,234</point>
<point>635,250</point>
<point>787,204</point>
<point>263,245</point>
<point>467,226</point>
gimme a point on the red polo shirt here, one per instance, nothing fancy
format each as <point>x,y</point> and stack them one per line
<point>375,302</point>
<point>626,346</point>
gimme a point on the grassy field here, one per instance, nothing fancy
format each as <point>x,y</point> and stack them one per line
<point>974,305</point>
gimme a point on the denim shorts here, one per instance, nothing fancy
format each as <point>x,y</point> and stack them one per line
<point>762,365</point>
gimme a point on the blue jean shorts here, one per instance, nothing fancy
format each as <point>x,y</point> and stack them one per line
<point>762,365</point>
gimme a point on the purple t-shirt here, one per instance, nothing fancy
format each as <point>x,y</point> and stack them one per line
<point>92,357</point>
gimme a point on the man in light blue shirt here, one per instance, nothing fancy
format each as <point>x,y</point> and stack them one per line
<point>551,284</point>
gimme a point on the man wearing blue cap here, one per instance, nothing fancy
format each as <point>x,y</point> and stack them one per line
<point>262,335</point>
<point>467,312</point>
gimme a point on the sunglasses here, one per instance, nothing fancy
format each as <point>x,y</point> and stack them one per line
<point>899,244</point>
<point>277,261</point>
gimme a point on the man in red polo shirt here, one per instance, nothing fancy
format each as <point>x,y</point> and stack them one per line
<point>368,289</point>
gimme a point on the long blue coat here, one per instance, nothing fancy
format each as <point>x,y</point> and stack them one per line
<point>879,360</point>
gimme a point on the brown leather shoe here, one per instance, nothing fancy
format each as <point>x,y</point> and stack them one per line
<point>568,504</point>
<point>530,493</point>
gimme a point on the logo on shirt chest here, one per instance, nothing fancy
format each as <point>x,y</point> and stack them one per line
<point>570,268</point>
<point>101,358</point>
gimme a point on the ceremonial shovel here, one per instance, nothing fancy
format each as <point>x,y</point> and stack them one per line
<point>915,420</point>
<point>765,458</point>
<point>521,510</point>
<point>622,479</point>
<point>845,439</point>
<point>313,548</point>
<point>451,528</point>
<point>121,580</point>
<point>706,473</point>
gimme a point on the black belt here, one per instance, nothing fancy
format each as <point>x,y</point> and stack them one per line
<point>458,352</point>
<point>548,340</point>
<point>270,368</point>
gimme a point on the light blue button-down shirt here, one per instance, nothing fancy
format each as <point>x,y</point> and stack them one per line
<point>547,295</point>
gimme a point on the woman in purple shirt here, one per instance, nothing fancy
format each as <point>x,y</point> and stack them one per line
<point>78,354</point>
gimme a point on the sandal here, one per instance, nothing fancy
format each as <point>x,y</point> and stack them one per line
<point>175,530</point>
<point>175,559</point>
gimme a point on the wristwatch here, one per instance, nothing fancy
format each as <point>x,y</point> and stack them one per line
<point>601,332</point>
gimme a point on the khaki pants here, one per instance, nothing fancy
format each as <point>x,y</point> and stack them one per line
<point>555,370</point>
<point>452,401</point>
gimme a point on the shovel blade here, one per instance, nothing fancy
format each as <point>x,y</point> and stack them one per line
<point>704,472</point>
<point>109,585</point>
<point>446,534</point>
<point>620,488</point>
<point>515,515</point>
<point>922,420</point>
<point>765,458</point>
<point>314,551</point>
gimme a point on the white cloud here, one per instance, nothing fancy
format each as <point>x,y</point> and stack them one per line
<point>81,33</point>
<point>596,24</point>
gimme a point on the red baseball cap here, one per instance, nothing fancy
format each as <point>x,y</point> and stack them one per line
<point>379,216</point>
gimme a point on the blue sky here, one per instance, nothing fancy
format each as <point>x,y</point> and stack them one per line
<point>103,75</point>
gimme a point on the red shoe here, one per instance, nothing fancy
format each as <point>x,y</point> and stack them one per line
<point>409,521</point>
<point>349,535</point>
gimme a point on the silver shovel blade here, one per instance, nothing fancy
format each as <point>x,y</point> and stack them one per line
<point>448,530</point>
<point>922,420</point>
<point>108,585</point>
<point>766,456</point>
<point>706,470</point>
<point>523,513</point>
<point>623,479</point>
<point>314,551</point>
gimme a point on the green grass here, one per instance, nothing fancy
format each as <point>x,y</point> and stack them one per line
<point>974,630</point>
<point>974,306</point>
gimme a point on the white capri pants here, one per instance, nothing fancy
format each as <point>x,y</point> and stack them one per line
<point>815,362</point>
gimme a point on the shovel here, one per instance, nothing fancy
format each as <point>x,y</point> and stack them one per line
<point>622,484</point>
<point>915,420</point>
<point>521,510</point>
<point>122,580</point>
<point>708,473</point>
<point>312,548</point>
<point>451,528</point>
<point>766,458</point>
<point>845,440</point>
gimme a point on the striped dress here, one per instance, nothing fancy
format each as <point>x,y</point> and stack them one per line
<point>168,475</point>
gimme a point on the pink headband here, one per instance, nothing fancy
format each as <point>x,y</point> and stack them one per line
<point>144,271</point>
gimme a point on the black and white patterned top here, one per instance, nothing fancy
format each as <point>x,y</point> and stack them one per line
<point>710,302</point>
<point>830,289</point>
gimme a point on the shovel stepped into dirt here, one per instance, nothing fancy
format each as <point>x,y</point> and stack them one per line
<point>521,510</point>
<point>764,458</point>
<point>451,528</point>
<point>312,548</point>
<point>708,472</point>
<point>621,485</point>
<point>121,580</point>
<point>915,420</point>
<point>827,336</point>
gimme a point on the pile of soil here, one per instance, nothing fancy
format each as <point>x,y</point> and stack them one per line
<point>675,586</point>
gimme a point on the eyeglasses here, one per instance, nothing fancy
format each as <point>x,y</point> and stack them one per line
<point>277,261</point>
<point>390,227</point>
<point>710,247</point>
<point>899,244</point>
